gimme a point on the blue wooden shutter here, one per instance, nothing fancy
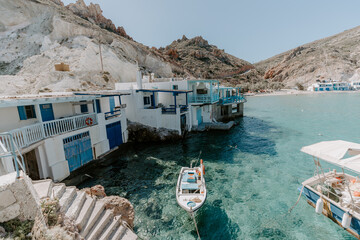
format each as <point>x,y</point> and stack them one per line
<point>98,106</point>
<point>22,113</point>
<point>112,103</point>
<point>33,109</point>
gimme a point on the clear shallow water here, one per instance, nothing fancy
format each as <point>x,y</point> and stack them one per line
<point>252,172</point>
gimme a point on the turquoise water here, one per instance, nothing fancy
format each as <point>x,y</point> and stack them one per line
<point>252,172</point>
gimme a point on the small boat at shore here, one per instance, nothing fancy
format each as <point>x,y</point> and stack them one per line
<point>190,188</point>
<point>335,194</point>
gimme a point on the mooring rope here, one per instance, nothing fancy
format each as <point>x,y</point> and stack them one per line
<point>296,201</point>
<point>197,230</point>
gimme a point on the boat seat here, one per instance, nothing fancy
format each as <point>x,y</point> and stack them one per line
<point>189,177</point>
<point>189,186</point>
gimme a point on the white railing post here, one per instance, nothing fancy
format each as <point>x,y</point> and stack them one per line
<point>42,127</point>
<point>74,122</point>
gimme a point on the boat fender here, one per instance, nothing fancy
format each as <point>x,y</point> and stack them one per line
<point>346,220</point>
<point>203,166</point>
<point>319,206</point>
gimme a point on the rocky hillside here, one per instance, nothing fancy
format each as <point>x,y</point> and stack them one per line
<point>336,57</point>
<point>37,34</point>
<point>197,58</point>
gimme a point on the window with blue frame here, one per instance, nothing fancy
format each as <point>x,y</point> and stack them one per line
<point>26,112</point>
<point>84,108</point>
<point>98,108</point>
<point>146,100</point>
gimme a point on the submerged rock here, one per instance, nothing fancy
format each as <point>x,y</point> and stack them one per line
<point>142,133</point>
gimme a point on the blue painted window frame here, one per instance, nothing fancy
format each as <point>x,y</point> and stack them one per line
<point>26,112</point>
<point>146,100</point>
<point>84,108</point>
<point>98,107</point>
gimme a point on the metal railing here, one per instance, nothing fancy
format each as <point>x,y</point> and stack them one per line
<point>11,152</point>
<point>169,110</point>
<point>25,136</point>
<point>111,114</point>
<point>232,99</point>
<point>203,98</point>
<point>183,108</point>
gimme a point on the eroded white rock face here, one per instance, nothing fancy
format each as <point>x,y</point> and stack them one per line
<point>41,35</point>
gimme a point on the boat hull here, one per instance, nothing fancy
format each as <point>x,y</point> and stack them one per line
<point>332,211</point>
<point>183,199</point>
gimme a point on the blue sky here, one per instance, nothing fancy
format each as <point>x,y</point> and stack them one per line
<point>252,30</point>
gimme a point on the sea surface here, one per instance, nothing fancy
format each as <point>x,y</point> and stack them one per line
<point>253,172</point>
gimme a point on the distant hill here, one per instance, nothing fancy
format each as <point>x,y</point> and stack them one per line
<point>197,58</point>
<point>336,57</point>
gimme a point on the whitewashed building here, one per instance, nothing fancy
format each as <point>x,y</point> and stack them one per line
<point>157,105</point>
<point>180,104</point>
<point>59,132</point>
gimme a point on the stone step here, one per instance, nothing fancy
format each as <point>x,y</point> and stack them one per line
<point>129,235</point>
<point>100,225</point>
<point>85,212</point>
<point>118,233</point>
<point>97,210</point>
<point>43,188</point>
<point>67,198</point>
<point>58,190</point>
<point>110,229</point>
<point>76,205</point>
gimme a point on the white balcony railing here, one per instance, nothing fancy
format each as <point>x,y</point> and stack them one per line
<point>28,135</point>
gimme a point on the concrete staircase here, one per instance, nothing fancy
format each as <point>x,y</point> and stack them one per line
<point>92,219</point>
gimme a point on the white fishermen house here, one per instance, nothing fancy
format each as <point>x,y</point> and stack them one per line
<point>56,133</point>
<point>329,86</point>
<point>157,105</point>
<point>180,104</point>
<point>211,102</point>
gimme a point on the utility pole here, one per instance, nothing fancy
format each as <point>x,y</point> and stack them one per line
<point>101,60</point>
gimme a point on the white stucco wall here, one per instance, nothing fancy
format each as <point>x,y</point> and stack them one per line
<point>9,119</point>
<point>206,113</point>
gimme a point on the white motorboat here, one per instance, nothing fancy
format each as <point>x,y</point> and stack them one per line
<point>190,188</point>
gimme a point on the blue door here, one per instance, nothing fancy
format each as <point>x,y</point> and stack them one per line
<point>198,116</point>
<point>114,134</point>
<point>78,150</point>
<point>47,113</point>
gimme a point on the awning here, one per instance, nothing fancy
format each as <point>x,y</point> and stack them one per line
<point>341,153</point>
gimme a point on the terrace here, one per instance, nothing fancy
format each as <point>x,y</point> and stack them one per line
<point>203,91</point>
<point>168,104</point>
<point>230,95</point>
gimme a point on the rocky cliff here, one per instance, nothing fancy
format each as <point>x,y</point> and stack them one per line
<point>336,57</point>
<point>37,34</point>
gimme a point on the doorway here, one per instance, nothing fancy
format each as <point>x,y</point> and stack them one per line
<point>31,165</point>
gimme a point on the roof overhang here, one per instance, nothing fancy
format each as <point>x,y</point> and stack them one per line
<point>341,153</point>
<point>163,90</point>
<point>41,99</point>
<point>109,93</point>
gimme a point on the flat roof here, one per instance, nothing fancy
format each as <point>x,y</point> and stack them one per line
<point>23,100</point>
<point>203,80</point>
<point>163,90</point>
<point>104,93</point>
